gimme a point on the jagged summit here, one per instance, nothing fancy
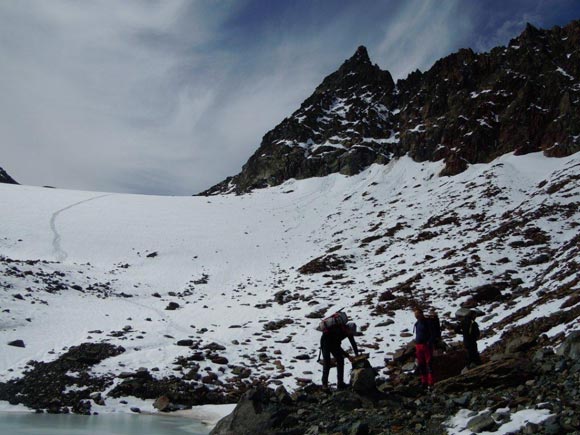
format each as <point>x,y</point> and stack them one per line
<point>361,55</point>
<point>467,108</point>
<point>356,72</point>
<point>5,178</point>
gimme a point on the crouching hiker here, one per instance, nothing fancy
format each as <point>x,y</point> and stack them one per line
<point>335,329</point>
<point>424,339</point>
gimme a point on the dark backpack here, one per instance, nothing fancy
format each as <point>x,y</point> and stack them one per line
<point>331,322</point>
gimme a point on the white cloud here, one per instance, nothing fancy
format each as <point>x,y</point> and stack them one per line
<point>507,30</point>
<point>158,97</point>
<point>424,31</point>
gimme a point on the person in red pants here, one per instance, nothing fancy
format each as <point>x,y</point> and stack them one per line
<point>424,341</point>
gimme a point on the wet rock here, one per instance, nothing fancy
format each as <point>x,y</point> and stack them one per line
<point>162,404</point>
<point>481,423</point>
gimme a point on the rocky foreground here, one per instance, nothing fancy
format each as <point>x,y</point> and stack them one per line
<point>525,377</point>
<point>520,373</point>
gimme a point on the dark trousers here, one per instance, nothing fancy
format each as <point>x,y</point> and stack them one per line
<point>332,347</point>
<point>473,357</point>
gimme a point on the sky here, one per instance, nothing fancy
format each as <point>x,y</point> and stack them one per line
<point>170,97</point>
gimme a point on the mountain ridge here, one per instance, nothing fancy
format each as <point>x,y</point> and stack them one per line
<point>467,108</point>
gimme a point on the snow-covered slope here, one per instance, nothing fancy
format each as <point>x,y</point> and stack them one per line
<point>90,267</point>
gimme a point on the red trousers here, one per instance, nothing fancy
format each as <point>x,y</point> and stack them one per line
<point>424,354</point>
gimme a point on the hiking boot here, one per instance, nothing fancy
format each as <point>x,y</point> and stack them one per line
<point>342,386</point>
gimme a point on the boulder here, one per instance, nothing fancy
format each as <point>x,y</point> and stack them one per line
<point>520,344</point>
<point>571,346</point>
<point>463,312</point>
<point>481,422</point>
<point>509,371</point>
<point>186,342</point>
<point>16,343</point>
<point>256,412</point>
<point>405,353</point>
<point>489,292</point>
<point>363,381</point>
<point>162,404</point>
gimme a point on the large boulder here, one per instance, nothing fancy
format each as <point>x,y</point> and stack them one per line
<point>363,382</point>
<point>258,411</point>
<point>506,372</point>
<point>571,346</point>
<point>520,344</point>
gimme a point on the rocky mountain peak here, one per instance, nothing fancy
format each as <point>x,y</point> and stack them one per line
<point>5,178</point>
<point>356,72</point>
<point>468,108</point>
<point>361,55</point>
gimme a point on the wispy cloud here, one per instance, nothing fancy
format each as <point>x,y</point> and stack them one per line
<point>172,96</point>
<point>424,31</point>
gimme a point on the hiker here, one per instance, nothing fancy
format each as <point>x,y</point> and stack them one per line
<point>438,343</point>
<point>470,331</point>
<point>424,340</point>
<point>332,336</point>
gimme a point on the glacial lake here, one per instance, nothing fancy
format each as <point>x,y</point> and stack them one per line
<point>15,423</point>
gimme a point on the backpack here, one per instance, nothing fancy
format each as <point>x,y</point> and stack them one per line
<point>337,319</point>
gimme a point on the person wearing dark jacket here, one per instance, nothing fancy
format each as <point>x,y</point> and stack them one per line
<point>330,345</point>
<point>438,343</point>
<point>470,331</point>
<point>424,340</point>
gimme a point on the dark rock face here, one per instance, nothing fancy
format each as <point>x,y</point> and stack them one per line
<point>5,178</point>
<point>468,108</point>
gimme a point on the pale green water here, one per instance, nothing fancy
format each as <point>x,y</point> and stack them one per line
<point>104,424</point>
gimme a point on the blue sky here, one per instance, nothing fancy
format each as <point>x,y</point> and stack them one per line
<point>172,96</point>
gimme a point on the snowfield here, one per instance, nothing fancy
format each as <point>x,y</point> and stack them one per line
<point>231,264</point>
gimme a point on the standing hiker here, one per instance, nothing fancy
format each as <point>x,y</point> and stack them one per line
<point>438,343</point>
<point>335,329</point>
<point>470,331</point>
<point>424,340</point>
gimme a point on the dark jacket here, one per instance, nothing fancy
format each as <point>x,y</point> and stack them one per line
<point>334,336</point>
<point>424,333</point>
<point>470,330</point>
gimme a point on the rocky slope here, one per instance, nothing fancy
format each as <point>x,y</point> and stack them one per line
<point>468,108</point>
<point>5,178</point>
<point>529,390</point>
<point>207,307</point>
